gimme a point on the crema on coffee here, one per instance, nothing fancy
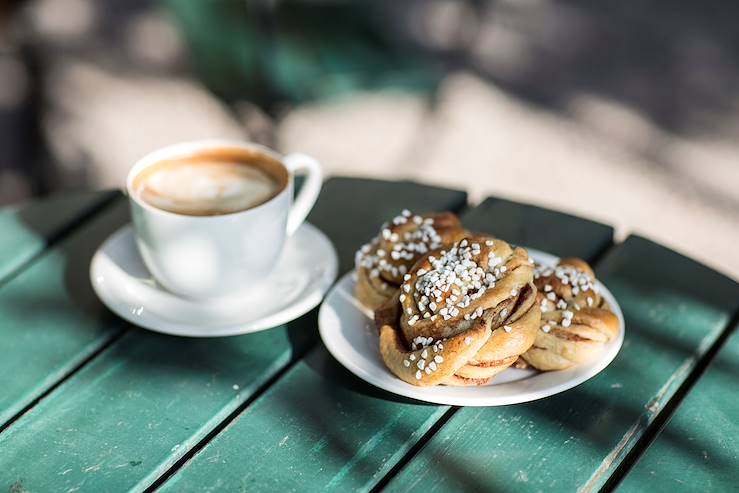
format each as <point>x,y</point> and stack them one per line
<point>209,184</point>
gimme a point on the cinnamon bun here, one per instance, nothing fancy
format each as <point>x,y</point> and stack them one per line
<point>382,263</point>
<point>576,321</point>
<point>464,313</point>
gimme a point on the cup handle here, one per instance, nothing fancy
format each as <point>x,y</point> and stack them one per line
<point>308,193</point>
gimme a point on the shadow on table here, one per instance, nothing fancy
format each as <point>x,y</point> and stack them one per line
<point>662,296</point>
<point>582,406</point>
<point>59,275</point>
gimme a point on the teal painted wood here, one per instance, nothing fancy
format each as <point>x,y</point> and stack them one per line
<point>27,229</point>
<point>320,428</point>
<point>675,309</point>
<point>543,229</point>
<point>698,449</point>
<point>50,320</point>
<point>128,416</point>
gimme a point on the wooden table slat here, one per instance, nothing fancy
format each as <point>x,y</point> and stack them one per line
<point>51,320</point>
<point>675,309</point>
<point>26,230</point>
<point>137,408</point>
<point>319,427</point>
<point>554,232</point>
<point>698,449</point>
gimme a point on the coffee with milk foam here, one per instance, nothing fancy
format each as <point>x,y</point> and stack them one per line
<point>209,185</point>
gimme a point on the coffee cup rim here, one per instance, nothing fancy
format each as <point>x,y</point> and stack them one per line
<point>189,147</point>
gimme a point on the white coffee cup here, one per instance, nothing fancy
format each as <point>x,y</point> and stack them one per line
<point>202,257</point>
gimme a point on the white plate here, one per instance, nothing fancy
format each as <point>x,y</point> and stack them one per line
<point>305,271</point>
<point>349,334</point>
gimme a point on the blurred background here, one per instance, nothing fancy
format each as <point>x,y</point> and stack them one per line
<point>623,112</point>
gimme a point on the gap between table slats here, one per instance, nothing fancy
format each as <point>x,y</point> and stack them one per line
<point>346,263</point>
<point>697,448</point>
<point>676,310</point>
<point>106,377</point>
<point>682,394</point>
<point>25,325</point>
<point>28,230</point>
<point>318,410</point>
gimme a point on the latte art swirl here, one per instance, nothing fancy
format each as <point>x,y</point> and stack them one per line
<point>205,186</point>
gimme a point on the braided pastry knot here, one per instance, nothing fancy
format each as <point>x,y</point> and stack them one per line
<point>463,314</point>
<point>382,263</point>
<point>576,321</point>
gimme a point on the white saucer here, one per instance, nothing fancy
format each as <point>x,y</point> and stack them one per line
<point>349,333</point>
<point>305,271</point>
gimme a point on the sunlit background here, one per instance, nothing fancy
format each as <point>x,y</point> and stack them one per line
<point>625,112</point>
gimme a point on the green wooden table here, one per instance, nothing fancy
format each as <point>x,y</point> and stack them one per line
<point>91,403</point>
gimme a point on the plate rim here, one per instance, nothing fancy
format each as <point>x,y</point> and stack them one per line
<point>399,387</point>
<point>155,323</point>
